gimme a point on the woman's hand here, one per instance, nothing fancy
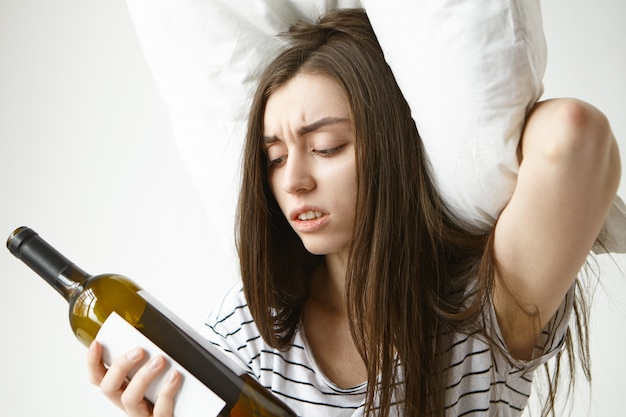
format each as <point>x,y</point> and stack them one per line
<point>129,394</point>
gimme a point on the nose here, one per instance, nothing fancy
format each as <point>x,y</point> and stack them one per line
<point>298,176</point>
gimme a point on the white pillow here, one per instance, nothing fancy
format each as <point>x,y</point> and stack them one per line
<point>470,70</point>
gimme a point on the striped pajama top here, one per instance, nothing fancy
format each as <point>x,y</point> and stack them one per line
<point>483,382</point>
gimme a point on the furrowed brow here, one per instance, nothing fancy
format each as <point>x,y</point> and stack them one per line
<point>318,124</point>
<point>304,130</point>
<point>268,140</point>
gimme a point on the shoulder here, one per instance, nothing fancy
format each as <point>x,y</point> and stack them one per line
<point>230,327</point>
<point>230,313</point>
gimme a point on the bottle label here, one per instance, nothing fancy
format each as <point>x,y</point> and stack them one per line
<point>193,398</point>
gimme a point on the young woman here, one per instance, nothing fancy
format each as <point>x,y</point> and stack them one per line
<point>360,294</point>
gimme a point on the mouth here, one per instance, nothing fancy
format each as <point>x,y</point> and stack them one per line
<point>309,215</point>
<point>309,219</point>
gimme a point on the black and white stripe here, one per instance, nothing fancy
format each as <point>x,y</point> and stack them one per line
<point>483,381</point>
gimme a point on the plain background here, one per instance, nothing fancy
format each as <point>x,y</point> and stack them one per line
<point>87,159</point>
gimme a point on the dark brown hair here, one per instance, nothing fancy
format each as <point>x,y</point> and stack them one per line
<point>413,276</point>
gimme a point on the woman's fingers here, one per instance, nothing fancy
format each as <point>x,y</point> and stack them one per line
<point>95,367</point>
<point>129,394</point>
<point>114,381</point>
<point>132,398</point>
<point>164,405</point>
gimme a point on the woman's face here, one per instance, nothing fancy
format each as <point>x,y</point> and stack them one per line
<point>308,138</point>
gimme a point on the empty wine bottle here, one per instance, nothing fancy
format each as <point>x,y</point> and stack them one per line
<point>92,299</point>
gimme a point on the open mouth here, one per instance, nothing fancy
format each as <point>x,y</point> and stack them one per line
<point>309,220</point>
<point>310,215</point>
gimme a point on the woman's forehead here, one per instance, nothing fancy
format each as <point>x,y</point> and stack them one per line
<point>305,100</point>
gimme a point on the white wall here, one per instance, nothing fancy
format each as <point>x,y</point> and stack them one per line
<point>87,159</point>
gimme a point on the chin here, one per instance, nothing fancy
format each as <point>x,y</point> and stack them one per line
<point>322,247</point>
<point>316,250</point>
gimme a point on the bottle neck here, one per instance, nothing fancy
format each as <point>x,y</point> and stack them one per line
<point>47,262</point>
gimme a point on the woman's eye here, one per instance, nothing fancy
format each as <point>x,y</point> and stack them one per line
<point>276,161</point>
<point>328,152</point>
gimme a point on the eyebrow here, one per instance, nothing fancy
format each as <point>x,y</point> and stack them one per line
<point>312,127</point>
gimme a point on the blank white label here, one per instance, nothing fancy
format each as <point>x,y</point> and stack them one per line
<point>193,399</point>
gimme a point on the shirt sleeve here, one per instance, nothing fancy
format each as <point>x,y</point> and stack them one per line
<point>549,343</point>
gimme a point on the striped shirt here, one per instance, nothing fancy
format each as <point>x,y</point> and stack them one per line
<point>483,381</point>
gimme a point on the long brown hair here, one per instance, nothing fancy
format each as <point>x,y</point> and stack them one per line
<point>413,276</point>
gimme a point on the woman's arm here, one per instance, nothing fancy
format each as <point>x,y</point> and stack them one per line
<point>568,177</point>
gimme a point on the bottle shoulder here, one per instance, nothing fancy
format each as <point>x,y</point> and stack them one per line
<point>98,297</point>
<point>110,281</point>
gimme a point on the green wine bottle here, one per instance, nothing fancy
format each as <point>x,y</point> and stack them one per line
<point>92,299</point>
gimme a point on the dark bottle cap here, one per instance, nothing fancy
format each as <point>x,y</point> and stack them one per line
<point>18,236</point>
<point>25,244</point>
